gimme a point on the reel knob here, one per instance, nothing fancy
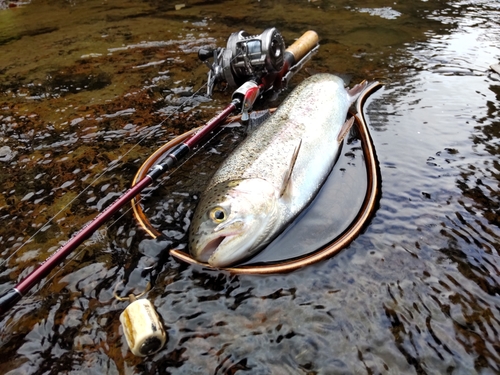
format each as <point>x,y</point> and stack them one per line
<point>205,53</point>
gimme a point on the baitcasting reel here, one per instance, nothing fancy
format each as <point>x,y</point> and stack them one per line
<point>246,57</point>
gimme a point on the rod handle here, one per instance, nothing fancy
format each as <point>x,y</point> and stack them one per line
<point>8,300</point>
<point>303,45</point>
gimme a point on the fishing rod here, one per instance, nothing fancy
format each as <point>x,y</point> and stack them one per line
<point>255,63</point>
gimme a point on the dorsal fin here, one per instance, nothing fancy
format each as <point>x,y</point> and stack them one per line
<point>288,175</point>
<point>345,129</point>
<point>356,90</point>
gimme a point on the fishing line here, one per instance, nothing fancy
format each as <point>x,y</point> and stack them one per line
<point>125,212</point>
<point>45,226</point>
<point>162,180</point>
<point>48,279</point>
<point>85,245</point>
<point>257,79</point>
<point>97,178</point>
<point>106,170</point>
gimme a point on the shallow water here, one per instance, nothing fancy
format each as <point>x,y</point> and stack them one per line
<point>82,82</point>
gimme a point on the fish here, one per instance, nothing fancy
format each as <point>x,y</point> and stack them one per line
<point>273,174</point>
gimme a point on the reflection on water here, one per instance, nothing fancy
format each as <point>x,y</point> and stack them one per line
<point>82,83</point>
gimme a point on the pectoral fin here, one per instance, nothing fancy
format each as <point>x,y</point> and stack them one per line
<point>256,119</point>
<point>345,129</point>
<point>288,175</point>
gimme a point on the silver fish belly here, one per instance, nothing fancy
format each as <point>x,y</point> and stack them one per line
<point>253,196</point>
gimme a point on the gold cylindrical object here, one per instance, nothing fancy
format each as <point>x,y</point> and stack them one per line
<point>303,45</point>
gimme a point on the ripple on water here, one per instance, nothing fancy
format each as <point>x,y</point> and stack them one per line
<point>416,293</point>
<point>384,12</point>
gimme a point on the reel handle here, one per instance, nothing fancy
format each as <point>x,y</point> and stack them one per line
<point>303,45</point>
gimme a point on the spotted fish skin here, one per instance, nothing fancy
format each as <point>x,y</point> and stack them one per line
<point>249,200</point>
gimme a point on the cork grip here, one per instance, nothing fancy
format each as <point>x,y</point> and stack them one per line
<point>303,45</point>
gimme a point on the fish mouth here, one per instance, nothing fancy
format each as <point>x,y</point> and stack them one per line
<point>210,249</point>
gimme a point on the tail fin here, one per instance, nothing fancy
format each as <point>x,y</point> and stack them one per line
<point>357,90</point>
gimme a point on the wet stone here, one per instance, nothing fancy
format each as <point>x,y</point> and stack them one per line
<point>6,154</point>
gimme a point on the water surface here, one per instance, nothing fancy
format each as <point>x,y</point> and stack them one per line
<point>82,82</point>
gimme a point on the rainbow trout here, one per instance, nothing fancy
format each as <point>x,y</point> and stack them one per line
<point>274,173</point>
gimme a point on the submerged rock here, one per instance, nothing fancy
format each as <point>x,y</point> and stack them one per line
<point>6,154</point>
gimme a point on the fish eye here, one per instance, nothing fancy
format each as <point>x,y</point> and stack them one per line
<point>218,214</point>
